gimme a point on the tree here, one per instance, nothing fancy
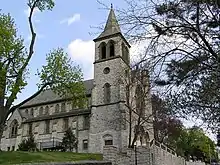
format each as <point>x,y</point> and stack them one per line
<point>59,74</point>
<point>69,141</point>
<point>138,114</point>
<point>182,50</point>
<point>167,127</point>
<point>194,144</point>
<point>28,144</point>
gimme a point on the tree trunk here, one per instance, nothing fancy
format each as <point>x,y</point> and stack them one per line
<point>134,140</point>
<point>2,125</point>
<point>130,129</point>
<point>3,117</point>
<point>1,133</point>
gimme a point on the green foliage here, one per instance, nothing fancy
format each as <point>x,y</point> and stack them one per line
<point>42,4</point>
<point>194,144</point>
<point>69,141</point>
<point>191,143</point>
<point>63,77</point>
<point>167,128</point>
<point>28,144</point>
<point>182,52</point>
<point>12,57</point>
<point>59,74</point>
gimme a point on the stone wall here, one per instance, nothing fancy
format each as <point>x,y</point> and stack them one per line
<point>151,154</point>
<point>7,142</point>
<point>195,163</point>
<point>56,131</point>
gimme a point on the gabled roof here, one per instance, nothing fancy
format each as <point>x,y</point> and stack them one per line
<point>49,96</point>
<point>112,26</point>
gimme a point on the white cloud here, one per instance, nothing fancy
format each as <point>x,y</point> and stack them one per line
<point>72,19</point>
<point>82,53</point>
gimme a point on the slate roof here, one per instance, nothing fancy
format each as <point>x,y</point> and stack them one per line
<point>111,27</point>
<point>49,96</point>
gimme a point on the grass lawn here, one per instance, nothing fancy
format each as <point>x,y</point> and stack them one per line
<point>17,157</point>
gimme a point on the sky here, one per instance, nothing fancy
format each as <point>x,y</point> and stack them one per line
<point>71,25</point>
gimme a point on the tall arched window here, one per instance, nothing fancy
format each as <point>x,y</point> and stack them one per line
<point>125,52</point>
<point>32,112</point>
<point>57,108</point>
<point>41,110</point>
<point>102,48</point>
<point>139,100</point>
<point>111,48</point>
<point>14,129</point>
<point>46,110</point>
<point>107,93</point>
<point>30,128</point>
<point>63,107</point>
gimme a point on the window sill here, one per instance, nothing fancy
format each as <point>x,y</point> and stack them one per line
<point>45,134</point>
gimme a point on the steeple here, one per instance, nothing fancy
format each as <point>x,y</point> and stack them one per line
<point>112,26</point>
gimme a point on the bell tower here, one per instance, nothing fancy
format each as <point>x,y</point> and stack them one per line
<point>111,61</point>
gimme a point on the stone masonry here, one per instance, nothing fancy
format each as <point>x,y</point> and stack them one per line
<point>102,121</point>
<point>151,154</point>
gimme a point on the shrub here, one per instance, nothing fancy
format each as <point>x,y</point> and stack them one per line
<point>28,144</point>
<point>69,141</point>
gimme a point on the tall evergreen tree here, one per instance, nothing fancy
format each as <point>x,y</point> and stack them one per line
<point>69,141</point>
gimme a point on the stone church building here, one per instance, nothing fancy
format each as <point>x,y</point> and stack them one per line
<point>102,122</point>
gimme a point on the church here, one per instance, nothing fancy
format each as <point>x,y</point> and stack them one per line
<point>103,121</point>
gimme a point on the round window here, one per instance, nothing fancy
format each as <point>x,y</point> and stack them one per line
<point>106,70</point>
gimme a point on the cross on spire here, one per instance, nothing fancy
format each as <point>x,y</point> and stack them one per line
<point>112,26</point>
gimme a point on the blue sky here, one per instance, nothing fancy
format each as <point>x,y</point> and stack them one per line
<point>70,25</point>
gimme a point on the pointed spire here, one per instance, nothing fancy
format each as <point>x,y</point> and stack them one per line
<point>112,26</point>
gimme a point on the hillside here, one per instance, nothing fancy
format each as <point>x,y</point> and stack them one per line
<point>8,158</point>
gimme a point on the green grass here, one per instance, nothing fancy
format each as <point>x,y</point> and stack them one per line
<point>18,157</point>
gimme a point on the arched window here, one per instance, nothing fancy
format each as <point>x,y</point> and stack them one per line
<point>26,111</point>
<point>102,48</point>
<point>30,126</point>
<point>107,93</point>
<point>14,129</point>
<point>47,110</point>
<point>32,112</point>
<point>41,110</point>
<point>125,52</point>
<point>147,137</point>
<point>111,48</point>
<point>139,100</point>
<point>57,108</point>
<point>63,107</point>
